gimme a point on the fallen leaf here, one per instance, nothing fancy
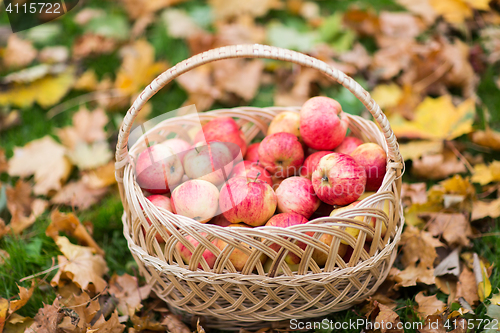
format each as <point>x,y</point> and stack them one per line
<point>359,57</point>
<point>54,54</point>
<point>495,299</point>
<point>138,8</point>
<point>80,265</point>
<point>422,8</point>
<point>411,275</point>
<point>400,25</point>
<point>70,225</point>
<point>31,159</point>
<point>389,61</point>
<point>415,193</point>
<point>300,92</point>
<point>146,322</point>
<point>224,9</point>
<point>453,11</point>
<point>438,166</point>
<point>493,311</point>
<point>24,296</point>
<point>454,228</point>
<point>481,276</point>
<point>88,127</point>
<point>418,246</point>
<point>78,194</point>
<point>485,174</point>
<point>4,308</point>
<point>487,138</point>
<point>385,316</point>
<point>481,209</point>
<point>138,67</point>
<point>174,324</point>
<point>198,85</point>
<point>23,207</point>
<point>451,122</point>
<point>84,307</point>
<point>46,91</point>
<point>467,286</point>
<point>112,325</point>
<point>414,150</point>
<point>9,119</point>
<point>387,95</point>
<point>428,305</point>
<point>87,81</point>
<point>449,265</point>
<point>433,324</point>
<point>126,289</point>
<point>243,30</point>
<point>179,24</point>
<point>46,319</point>
<point>4,230</point>
<point>90,156</point>
<point>289,38</point>
<point>239,76</point>
<point>92,44</point>
<point>100,177</point>
<point>18,53</point>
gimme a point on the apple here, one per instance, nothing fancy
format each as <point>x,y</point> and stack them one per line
<point>158,169</point>
<point>269,264</point>
<point>220,220</point>
<point>238,257</point>
<point>285,220</point>
<point>374,159</point>
<point>296,195</point>
<point>178,146</point>
<point>348,145</point>
<point>321,257</point>
<point>354,232</point>
<point>311,162</point>
<point>338,179</point>
<point>323,124</point>
<point>373,220</point>
<point>277,182</point>
<point>223,129</point>
<point>212,162</point>
<point>250,201</point>
<point>186,254</point>
<point>160,201</point>
<point>287,121</point>
<point>252,154</point>
<point>252,170</point>
<point>197,199</point>
<point>324,210</point>
<point>281,154</point>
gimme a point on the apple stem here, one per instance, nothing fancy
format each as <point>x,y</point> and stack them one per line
<point>258,174</point>
<point>196,148</point>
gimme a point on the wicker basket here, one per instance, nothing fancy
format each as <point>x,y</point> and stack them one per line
<point>231,299</point>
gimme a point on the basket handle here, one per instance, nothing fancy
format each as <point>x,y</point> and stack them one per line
<point>254,51</point>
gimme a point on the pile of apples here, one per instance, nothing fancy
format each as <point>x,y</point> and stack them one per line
<point>306,167</point>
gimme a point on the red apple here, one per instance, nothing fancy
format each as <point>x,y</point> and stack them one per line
<point>223,129</point>
<point>212,162</point>
<point>287,121</point>
<point>251,170</point>
<point>220,220</point>
<point>252,154</point>
<point>338,179</point>
<point>178,146</point>
<point>348,145</point>
<point>311,162</point>
<point>296,195</point>
<point>160,201</point>
<point>281,154</point>
<point>323,124</point>
<point>238,257</point>
<point>186,254</point>
<point>158,169</point>
<point>374,159</point>
<point>197,199</point>
<point>285,220</point>
<point>250,201</point>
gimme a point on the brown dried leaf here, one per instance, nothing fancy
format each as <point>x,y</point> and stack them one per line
<point>241,31</point>
<point>47,319</point>
<point>239,76</point>
<point>23,207</point>
<point>84,307</point>
<point>4,308</point>
<point>24,296</point>
<point>4,230</point>
<point>358,57</point>
<point>454,228</point>
<point>467,286</point>
<point>31,159</point>
<point>481,209</point>
<point>437,166</point>
<point>198,84</point>
<point>126,289</point>
<point>3,161</point>
<point>415,193</point>
<point>433,324</point>
<point>428,305</point>
<point>300,91</point>
<point>179,24</point>
<point>88,127</point>
<point>420,246</point>
<point>89,156</point>
<point>138,8</point>
<point>80,265</point>
<point>78,194</point>
<point>18,53</point>
<point>70,225</point>
<point>224,9</point>
<point>174,324</point>
<point>487,138</point>
<point>100,177</point>
<point>400,25</point>
<point>91,44</point>
<point>411,275</point>
<point>391,60</point>
<point>387,315</point>
<point>422,8</point>
<point>112,325</point>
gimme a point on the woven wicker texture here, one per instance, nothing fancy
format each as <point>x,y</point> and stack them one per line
<point>234,298</point>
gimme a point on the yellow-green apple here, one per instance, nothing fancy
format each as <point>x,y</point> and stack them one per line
<point>348,145</point>
<point>374,159</point>
<point>251,170</point>
<point>197,199</point>
<point>321,257</point>
<point>238,257</point>
<point>311,162</point>
<point>253,152</point>
<point>354,232</point>
<point>296,195</point>
<point>338,179</point>
<point>160,201</point>
<point>186,254</point>
<point>281,154</point>
<point>158,169</point>
<point>285,220</point>
<point>223,129</point>
<point>178,146</point>
<point>269,264</point>
<point>212,162</point>
<point>323,124</point>
<point>249,201</point>
<point>373,220</point>
<point>287,121</point>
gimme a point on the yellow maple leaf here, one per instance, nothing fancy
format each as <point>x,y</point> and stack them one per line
<point>436,118</point>
<point>479,4</point>
<point>484,174</point>
<point>495,299</point>
<point>481,209</point>
<point>415,149</point>
<point>81,265</point>
<point>428,305</point>
<point>32,159</point>
<point>487,138</point>
<point>46,91</point>
<point>453,11</point>
<point>4,308</point>
<point>387,95</point>
<point>255,8</point>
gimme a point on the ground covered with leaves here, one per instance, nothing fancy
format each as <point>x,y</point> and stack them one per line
<point>66,85</point>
